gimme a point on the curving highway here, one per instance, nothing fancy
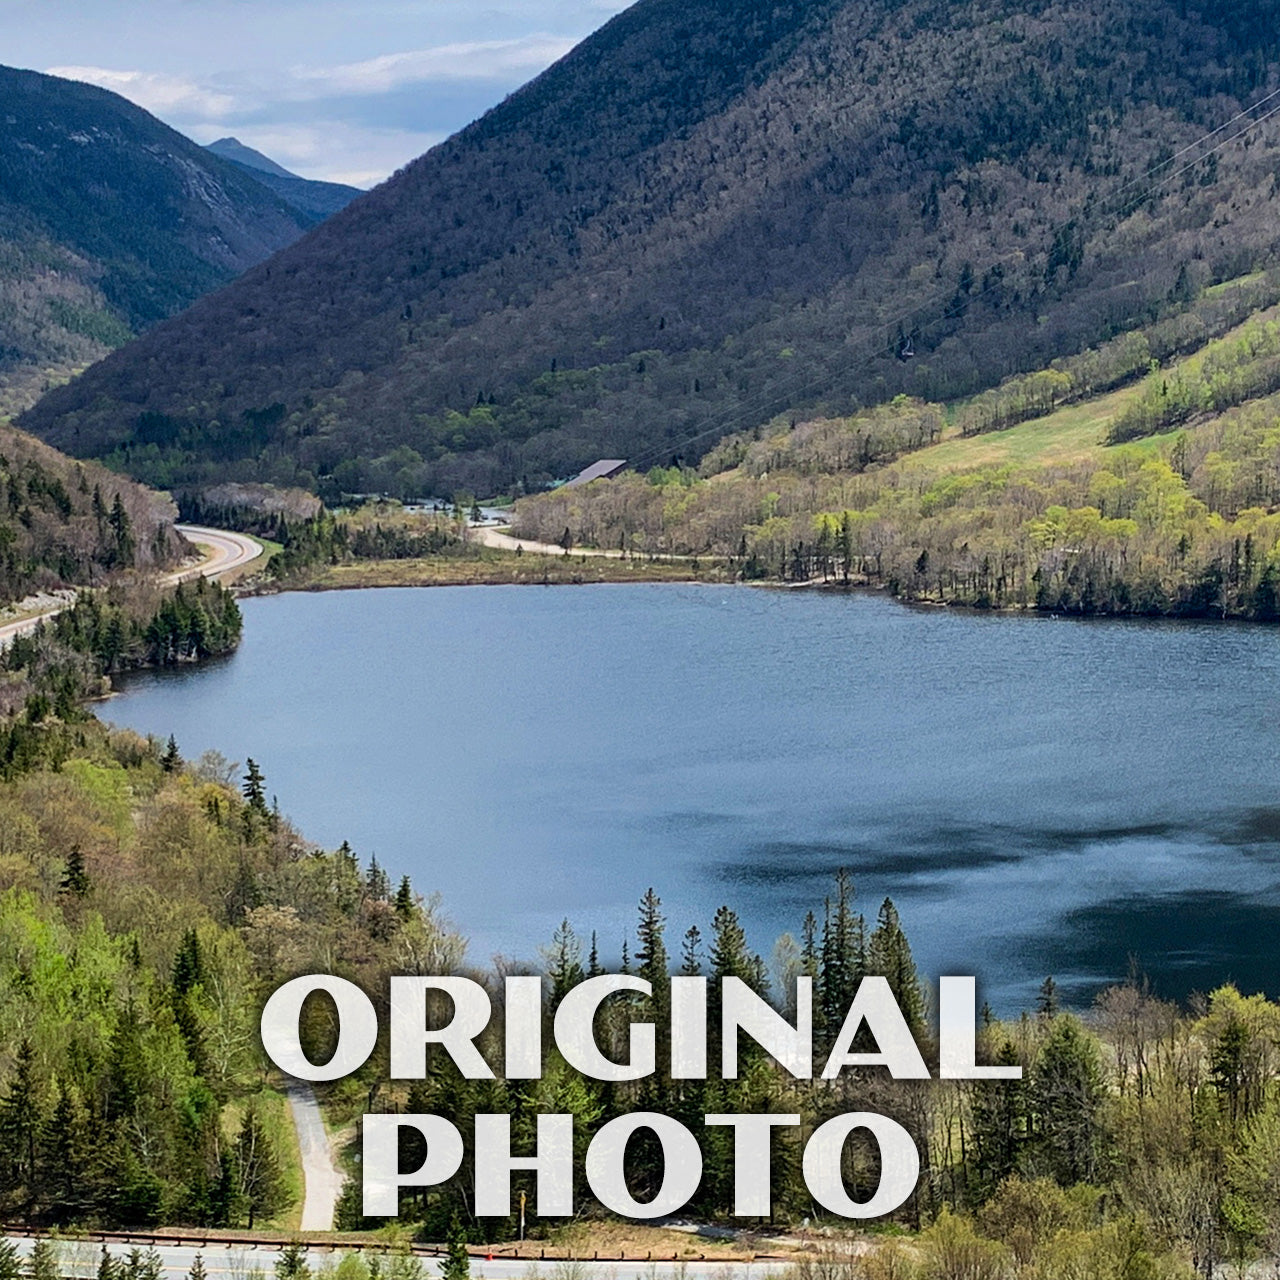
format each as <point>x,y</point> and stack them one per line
<point>222,552</point>
<point>225,552</point>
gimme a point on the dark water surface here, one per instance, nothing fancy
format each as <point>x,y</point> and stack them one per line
<point>1038,796</point>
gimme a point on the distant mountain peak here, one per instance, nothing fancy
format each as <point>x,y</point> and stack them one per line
<point>317,200</point>
<point>234,149</point>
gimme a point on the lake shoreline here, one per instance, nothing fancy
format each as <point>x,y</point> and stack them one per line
<point>538,570</point>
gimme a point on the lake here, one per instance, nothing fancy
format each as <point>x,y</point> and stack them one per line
<point>1038,796</point>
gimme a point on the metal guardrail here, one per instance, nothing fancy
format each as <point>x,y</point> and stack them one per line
<point>150,1239</point>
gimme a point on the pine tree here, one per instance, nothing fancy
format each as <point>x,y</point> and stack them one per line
<point>729,956</point>
<point>651,954</point>
<point>21,1122</point>
<point>999,1124</point>
<point>457,1262</point>
<point>254,789</point>
<point>259,1169</point>
<point>71,1156</point>
<point>171,761</point>
<point>889,956</point>
<point>405,903</point>
<point>594,969</point>
<point>843,957</point>
<point>564,962</point>
<point>42,1263</point>
<point>691,952</point>
<point>75,879</point>
<point>1067,1096</point>
<point>1047,999</point>
<point>377,884</point>
<point>197,1271</point>
<point>122,528</point>
<point>188,964</point>
<point>10,1266</point>
<point>292,1263</point>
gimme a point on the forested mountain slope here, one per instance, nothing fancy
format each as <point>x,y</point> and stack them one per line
<point>67,523</point>
<point>317,200</point>
<point>1074,489</point>
<point>713,210</point>
<point>109,222</point>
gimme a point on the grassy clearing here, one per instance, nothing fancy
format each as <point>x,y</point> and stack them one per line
<point>1069,434</point>
<point>495,568</point>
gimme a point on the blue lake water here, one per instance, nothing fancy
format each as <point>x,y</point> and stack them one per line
<point>1038,796</point>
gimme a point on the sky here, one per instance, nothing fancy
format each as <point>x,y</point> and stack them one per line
<point>341,90</point>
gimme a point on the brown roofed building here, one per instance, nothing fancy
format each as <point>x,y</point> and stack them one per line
<point>605,469</point>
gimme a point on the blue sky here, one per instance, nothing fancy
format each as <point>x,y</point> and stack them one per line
<point>346,90</point>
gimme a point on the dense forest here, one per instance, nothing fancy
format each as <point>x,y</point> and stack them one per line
<point>710,213</point>
<point>1050,513</point>
<point>109,222</point>
<point>65,523</point>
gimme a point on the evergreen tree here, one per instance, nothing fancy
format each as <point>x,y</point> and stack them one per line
<point>292,1263</point>
<point>377,884</point>
<point>843,954</point>
<point>999,1124</point>
<point>21,1122</point>
<point>10,1266</point>
<point>729,956</point>
<point>122,529</point>
<point>75,879</point>
<point>188,964</point>
<point>457,1262</point>
<point>1067,1095</point>
<point>691,952</point>
<point>254,789</point>
<point>171,761</point>
<point>197,1271</point>
<point>594,969</point>
<point>261,1181</point>
<point>107,1269</point>
<point>42,1262</point>
<point>1047,999</point>
<point>564,962</point>
<point>71,1157</point>
<point>227,1205</point>
<point>405,904</point>
<point>651,953</point>
<point>889,956</point>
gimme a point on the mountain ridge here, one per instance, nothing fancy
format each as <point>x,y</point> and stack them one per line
<point>700,208</point>
<point>110,221</point>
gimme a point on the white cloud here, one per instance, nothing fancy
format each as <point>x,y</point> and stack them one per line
<point>474,60</point>
<point>162,95</point>
<point>355,139</point>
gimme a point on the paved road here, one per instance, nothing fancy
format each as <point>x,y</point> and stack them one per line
<point>226,551</point>
<point>322,1179</point>
<point>79,1260</point>
<point>223,553</point>
<point>488,536</point>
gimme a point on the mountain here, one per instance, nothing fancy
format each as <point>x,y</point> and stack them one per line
<point>712,211</point>
<point>318,200</point>
<point>109,222</point>
<point>234,150</point>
